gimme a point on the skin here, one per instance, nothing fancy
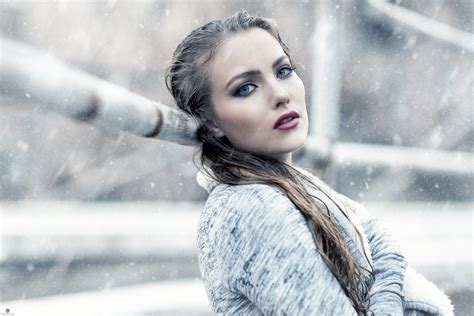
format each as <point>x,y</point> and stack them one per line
<point>246,109</point>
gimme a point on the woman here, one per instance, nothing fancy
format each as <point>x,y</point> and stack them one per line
<point>274,239</point>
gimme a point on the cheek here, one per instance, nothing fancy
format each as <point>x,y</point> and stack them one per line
<point>300,98</point>
<point>300,89</point>
<point>238,115</point>
<point>240,122</point>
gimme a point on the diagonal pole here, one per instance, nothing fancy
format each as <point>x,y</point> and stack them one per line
<point>29,74</point>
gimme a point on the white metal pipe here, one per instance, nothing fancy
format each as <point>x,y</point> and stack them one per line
<point>423,159</point>
<point>68,231</point>
<point>435,29</point>
<point>326,85</point>
<point>28,74</point>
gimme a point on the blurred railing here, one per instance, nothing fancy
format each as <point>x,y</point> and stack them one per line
<point>389,12</point>
<point>322,148</point>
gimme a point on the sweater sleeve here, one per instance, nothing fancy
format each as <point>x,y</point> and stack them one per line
<point>269,256</point>
<point>389,265</point>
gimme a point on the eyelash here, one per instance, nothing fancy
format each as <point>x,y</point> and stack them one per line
<point>286,67</point>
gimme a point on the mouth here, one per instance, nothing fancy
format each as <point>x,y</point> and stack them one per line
<point>287,120</point>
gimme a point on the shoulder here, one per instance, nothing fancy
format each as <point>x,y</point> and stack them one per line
<point>237,200</point>
<point>238,221</point>
<point>236,210</point>
<point>239,213</point>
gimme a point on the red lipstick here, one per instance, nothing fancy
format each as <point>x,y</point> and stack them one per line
<point>287,120</point>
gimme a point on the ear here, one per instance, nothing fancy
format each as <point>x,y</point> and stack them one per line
<point>216,129</point>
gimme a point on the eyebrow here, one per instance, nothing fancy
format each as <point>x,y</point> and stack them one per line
<point>254,72</point>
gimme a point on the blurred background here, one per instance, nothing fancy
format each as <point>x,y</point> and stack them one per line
<point>101,222</point>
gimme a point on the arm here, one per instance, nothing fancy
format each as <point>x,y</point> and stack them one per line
<point>388,262</point>
<point>389,269</point>
<point>419,294</point>
<point>271,258</point>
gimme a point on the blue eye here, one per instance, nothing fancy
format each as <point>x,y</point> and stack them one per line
<point>284,71</point>
<point>245,90</point>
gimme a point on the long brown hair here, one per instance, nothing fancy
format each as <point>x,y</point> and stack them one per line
<point>188,81</point>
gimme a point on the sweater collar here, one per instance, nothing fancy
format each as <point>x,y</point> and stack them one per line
<point>206,182</point>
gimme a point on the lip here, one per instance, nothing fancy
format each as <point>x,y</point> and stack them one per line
<point>288,125</point>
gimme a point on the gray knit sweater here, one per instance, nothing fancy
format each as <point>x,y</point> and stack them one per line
<point>257,256</point>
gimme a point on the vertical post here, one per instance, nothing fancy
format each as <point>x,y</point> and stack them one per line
<point>324,114</point>
<point>326,84</point>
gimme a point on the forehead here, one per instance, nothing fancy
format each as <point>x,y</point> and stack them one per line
<point>247,50</point>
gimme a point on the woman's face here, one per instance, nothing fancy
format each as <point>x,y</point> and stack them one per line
<point>253,89</point>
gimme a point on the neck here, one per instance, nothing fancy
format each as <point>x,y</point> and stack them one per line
<point>286,158</point>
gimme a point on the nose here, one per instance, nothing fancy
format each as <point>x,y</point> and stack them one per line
<point>279,94</point>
